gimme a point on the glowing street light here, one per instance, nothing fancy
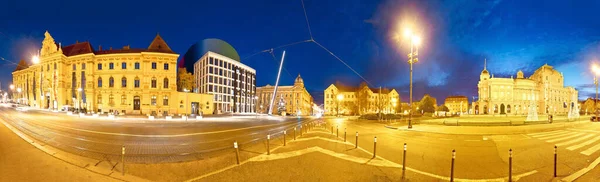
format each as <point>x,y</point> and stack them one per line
<point>596,72</point>
<point>415,42</point>
<point>35,59</point>
<point>340,97</point>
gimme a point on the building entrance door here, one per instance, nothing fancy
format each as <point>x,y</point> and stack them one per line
<point>47,102</point>
<point>136,103</point>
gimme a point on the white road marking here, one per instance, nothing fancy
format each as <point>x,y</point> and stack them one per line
<point>556,136</point>
<point>591,150</point>
<point>576,140</point>
<point>575,147</point>
<point>472,140</point>
<point>546,133</point>
<point>444,138</point>
<point>581,172</point>
<point>564,138</point>
<point>595,131</point>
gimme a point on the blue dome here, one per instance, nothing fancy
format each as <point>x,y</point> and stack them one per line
<point>197,50</point>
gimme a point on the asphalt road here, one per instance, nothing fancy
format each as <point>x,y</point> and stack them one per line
<point>481,156</point>
<point>151,142</point>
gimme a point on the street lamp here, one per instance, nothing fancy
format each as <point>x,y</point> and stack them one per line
<point>79,100</point>
<point>35,59</point>
<point>415,41</point>
<point>596,71</point>
<point>12,92</point>
<point>19,99</point>
<point>340,97</point>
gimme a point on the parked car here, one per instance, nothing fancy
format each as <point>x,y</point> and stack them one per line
<point>593,119</point>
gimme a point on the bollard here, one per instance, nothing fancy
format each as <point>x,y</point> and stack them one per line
<point>237,152</point>
<point>300,130</point>
<point>123,159</point>
<point>555,160</point>
<point>510,165</point>
<point>268,150</point>
<point>337,131</point>
<point>356,142</point>
<point>294,133</point>
<point>332,129</point>
<point>404,161</point>
<point>374,147</point>
<point>284,137</point>
<point>452,167</point>
<point>344,134</point>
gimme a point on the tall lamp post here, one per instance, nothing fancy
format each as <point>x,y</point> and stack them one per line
<point>340,97</point>
<point>19,100</point>
<point>415,41</point>
<point>12,92</point>
<point>596,71</point>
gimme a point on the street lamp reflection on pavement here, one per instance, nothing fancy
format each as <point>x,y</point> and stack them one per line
<point>340,97</point>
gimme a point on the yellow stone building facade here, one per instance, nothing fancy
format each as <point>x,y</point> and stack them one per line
<point>543,91</point>
<point>360,100</point>
<point>457,104</point>
<point>128,81</point>
<point>296,98</point>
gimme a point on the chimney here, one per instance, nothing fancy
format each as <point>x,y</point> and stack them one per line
<point>109,48</point>
<point>100,48</point>
<point>126,47</point>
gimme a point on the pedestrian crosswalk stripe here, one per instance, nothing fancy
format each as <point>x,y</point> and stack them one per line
<point>576,140</point>
<point>564,138</point>
<point>575,147</point>
<point>591,150</point>
<point>546,133</point>
<point>556,136</point>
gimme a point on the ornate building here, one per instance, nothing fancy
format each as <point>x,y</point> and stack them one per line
<point>360,100</point>
<point>295,98</point>
<point>543,90</point>
<point>457,104</point>
<point>127,80</point>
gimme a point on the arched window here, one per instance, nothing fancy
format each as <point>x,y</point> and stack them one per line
<point>166,83</point>
<point>123,99</point>
<point>136,82</point>
<point>111,99</point>
<point>153,82</point>
<point>111,82</point>
<point>99,82</point>
<point>123,82</point>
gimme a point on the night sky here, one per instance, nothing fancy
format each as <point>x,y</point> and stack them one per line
<point>457,36</point>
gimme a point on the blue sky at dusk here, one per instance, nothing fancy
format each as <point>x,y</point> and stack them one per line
<point>457,36</point>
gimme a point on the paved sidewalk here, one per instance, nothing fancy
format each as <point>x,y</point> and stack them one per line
<point>21,161</point>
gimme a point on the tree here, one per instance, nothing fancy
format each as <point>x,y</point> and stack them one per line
<point>281,105</point>
<point>362,98</point>
<point>443,108</point>
<point>427,104</point>
<point>185,80</point>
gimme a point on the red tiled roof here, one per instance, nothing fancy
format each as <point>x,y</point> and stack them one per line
<point>21,66</point>
<point>115,51</point>
<point>77,48</point>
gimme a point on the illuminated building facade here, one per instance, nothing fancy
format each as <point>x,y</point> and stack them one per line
<point>295,98</point>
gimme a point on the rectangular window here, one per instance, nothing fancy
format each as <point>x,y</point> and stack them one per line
<point>99,66</point>
<point>153,65</point>
<point>111,66</point>
<point>154,83</point>
<point>166,66</point>
<point>123,65</point>
<point>123,83</point>
<point>123,100</point>
<point>136,83</point>
<point>153,101</point>
<point>83,66</point>
<point>210,60</point>
<point>165,101</point>
<point>74,67</point>
<point>137,66</point>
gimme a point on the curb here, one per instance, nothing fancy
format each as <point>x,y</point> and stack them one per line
<point>509,133</point>
<point>61,156</point>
